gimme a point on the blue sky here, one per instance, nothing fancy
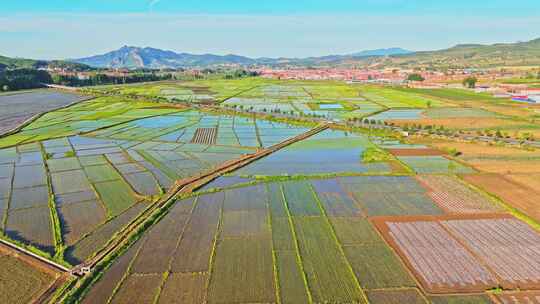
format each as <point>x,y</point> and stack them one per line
<point>55,29</point>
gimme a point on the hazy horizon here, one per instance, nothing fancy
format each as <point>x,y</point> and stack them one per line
<point>60,29</point>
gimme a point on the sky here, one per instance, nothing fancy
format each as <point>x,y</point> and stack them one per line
<point>60,29</point>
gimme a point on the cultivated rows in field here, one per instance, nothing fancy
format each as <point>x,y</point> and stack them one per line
<point>434,165</point>
<point>90,182</point>
<point>392,97</point>
<point>75,192</point>
<point>424,160</point>
<point>453,254</point>
<point>507,246</point>
<point>184,127</point>
<point>19,107</point>
<point>84,117</point>
<point>204,136</point>
<point>21,282</point>
<point>257,243</point>
<point>455,196</point>
<point>336,101</point>
<point>439,260</point>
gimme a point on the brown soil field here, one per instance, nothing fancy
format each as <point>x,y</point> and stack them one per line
<point>415,152</point>
<point>490,158</point>
<point>23,279</point>
<point>461,122</point>
<point>479,149</point>
<point>511,110</point>
<point>514,194</point>
<point>506,166</point>
<point>531,180</point>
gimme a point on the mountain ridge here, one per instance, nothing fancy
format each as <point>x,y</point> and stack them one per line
<point>148,57</point>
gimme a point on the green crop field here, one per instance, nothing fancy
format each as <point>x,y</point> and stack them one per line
<point>308,223</point>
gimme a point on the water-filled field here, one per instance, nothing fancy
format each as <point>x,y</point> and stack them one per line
<point>338,217</point>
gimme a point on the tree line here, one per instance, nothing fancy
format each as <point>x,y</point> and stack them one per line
<point>22,79</point>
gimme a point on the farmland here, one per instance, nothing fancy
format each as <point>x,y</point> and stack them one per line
<point>17,108</point>
<point>343,216</point>
<point>22,282</point>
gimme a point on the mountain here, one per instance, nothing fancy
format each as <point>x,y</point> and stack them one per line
<point>382,52</point>
<point>469,56</point>
<point>459,56</point>
<point>135,57</point>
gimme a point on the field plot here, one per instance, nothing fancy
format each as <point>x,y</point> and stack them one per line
<point>319,256</point>
<point>414,152</point>
<point>454,196</point>
<point>184,288</point>
<point>411,296</point>
<point>376,266</point>
<point>310,157</point>
<point>21,282</point>
<point>335,101</point>
<point>516,195</point>
<point>103,289</point>
<point>399,98</point>
<point>439,261</point>
<point>507,246</point>
<point>223,248</point>
<point>15,109</point>
<point>292,288</point>
<point>225,182</point>
<point>457,112</point>
<point>389,195</point>
<point>84,117</point>
<point>138,289</point>
<point>456,254</point>
<point>243,272</point>
<point>97,238</point>
<point>206,136</point>
<point>434,165</point>
<point>395,114</point>
<point>199,128</point>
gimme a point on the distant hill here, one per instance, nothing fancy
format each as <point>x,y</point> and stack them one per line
<point>21,63</point>
<point>8,62</point>
<point>136,57</point>
<point>459,56</point>
<point>469,56</point>
<point>382,52</point>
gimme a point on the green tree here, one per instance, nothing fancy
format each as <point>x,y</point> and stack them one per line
<point>415,77</point>
<point>470,82</point>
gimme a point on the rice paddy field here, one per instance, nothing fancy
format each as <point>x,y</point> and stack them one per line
<point>338,217</point>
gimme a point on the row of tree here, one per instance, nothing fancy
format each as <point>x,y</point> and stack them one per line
<point>22,79</point>
<point>102,79</point>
